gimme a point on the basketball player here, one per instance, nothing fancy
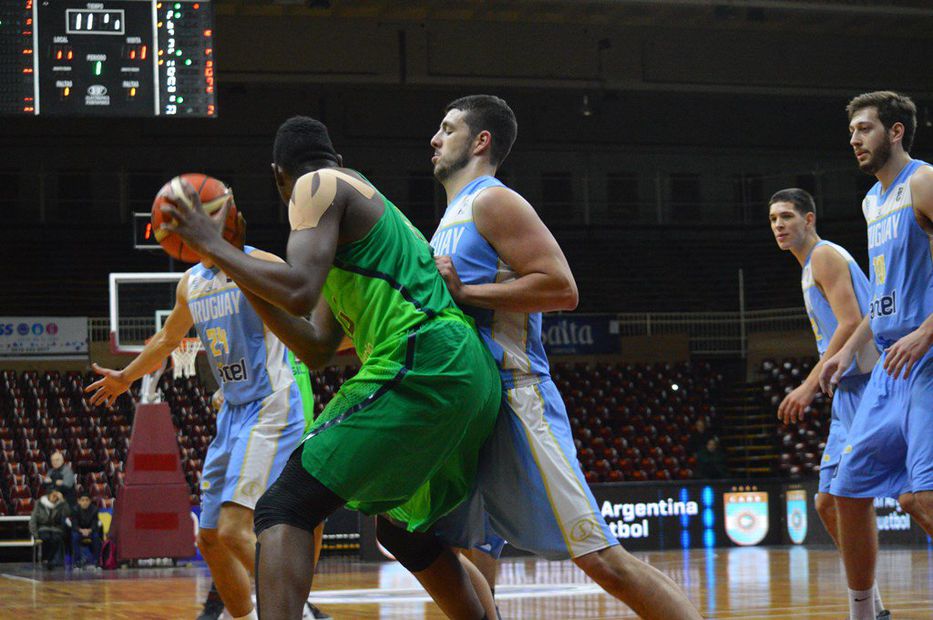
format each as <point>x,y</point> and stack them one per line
<point>214,605</point>
<point>890,443</point>
<point>835,293</point>
<point>259,425</point>
<point>504,268</point>
<point>401,437</point>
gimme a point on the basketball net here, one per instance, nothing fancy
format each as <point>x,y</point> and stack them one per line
<point>184,359</point>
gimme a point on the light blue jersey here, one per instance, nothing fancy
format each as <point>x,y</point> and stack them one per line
<point>819,310</point>
<point>530,488</point>
<point>247,360</point>
<point>262,418</point>
<point>890,442</point>
<point>513,338</point>
<point>850,389</point>
<point>901,260</point>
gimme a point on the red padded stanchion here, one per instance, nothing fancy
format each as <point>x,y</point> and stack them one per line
<point>152,513</point>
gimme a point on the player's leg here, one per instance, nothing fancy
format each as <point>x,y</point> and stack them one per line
<point>450,580</point>
<point>213,483</point>
<point>533,439</point>
<point>648,591</point>
<point>920,441</point>
<point>286,517</point>
<point>871,465</point>
<point>485,564</point>
<point>826,508</point>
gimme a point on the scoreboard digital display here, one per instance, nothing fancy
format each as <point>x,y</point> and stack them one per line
<point>113,58</point>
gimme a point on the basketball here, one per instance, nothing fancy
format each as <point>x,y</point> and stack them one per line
<point>214,194</point>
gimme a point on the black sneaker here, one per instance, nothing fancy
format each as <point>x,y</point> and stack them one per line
<point>213,610</point>
<point>311,611</point>
<point>884,614</point>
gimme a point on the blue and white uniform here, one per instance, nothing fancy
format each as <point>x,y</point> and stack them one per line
<point>824,322</point>
<point>261,420</point>
<point>529,478</point>
<point>890,444</point>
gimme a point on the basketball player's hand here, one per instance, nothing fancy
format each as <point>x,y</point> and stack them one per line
<point>186,217</point>
<point>108,387</point>
<point>445,265</point>
<point>903,354</point>
<point>796,404</point>
<point>833,369</point>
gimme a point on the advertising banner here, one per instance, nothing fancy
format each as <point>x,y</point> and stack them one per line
<point>583,334</point>
<point>797,515</point>
<point>43,336</point>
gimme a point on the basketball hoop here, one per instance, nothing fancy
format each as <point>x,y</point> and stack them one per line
<point>185,356</point>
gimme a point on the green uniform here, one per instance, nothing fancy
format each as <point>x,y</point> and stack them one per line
<point>303,380</point>
<point>402,436</point>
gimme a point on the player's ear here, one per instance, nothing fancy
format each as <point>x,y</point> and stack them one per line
<point>482,142</point>
<point>340,160</point>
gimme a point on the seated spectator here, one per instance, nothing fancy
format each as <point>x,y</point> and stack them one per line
<point>47,523</point>
<point>700,436</point>
<point>711,462</point>
<point>62,479</point>
<point>86,530</point>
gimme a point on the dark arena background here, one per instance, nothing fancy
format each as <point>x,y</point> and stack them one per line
<point>651,136</point>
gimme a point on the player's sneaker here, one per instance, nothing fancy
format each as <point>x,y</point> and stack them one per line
<point>884,614</point>
<point>312,612</point>
<point>213,610</point>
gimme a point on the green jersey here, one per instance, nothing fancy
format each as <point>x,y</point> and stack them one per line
<point>303,379</point>
<point>385,284</point>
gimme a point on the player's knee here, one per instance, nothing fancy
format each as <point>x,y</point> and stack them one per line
<point>825,506</point>
<point>295,499</point>
<point>908,503</point>
<point>415,551</point>
<point>612,564</point>
<point>208,539</point>
<point>233,534</point>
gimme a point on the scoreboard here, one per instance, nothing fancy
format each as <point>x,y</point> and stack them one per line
<point>112,58</point>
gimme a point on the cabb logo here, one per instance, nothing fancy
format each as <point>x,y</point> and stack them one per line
<point>797,515</point>
<point>746,516</point>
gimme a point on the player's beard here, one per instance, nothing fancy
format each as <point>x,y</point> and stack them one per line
<point>443,171</point>
<point>878,159</point>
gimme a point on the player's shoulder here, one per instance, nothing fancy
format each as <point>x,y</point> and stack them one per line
<point>922,178</point>
<point>499,199</point>
<point>828,256</point>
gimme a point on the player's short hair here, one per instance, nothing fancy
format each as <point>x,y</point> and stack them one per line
<point>800,198</point>
<point>492,114</point>
<point>300,140</point>
<point>892,108</point>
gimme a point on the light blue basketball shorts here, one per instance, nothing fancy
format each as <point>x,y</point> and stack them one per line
<point>530,484</point>
<point>846,399</point>
<point>253,442</point>
<point>890,445</point>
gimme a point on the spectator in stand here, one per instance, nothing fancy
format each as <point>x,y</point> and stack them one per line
<point>47,523</point>
<point>61,478</point>
<point>700,437</point>
<point>711,462</point>
<point>86,530</point>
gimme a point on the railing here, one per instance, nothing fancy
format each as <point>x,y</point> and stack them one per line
<point>710,333</point>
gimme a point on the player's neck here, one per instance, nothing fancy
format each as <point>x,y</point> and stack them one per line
<point>466,175</point>
<point>802,252</point>
<point>892,168</point>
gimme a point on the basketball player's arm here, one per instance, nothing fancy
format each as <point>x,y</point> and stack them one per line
<point>831,274</point>
<point>903,354</point>
<point>511,226</point>
<point>314,342</point>
<point>293,286</point>
<point>114,382</point>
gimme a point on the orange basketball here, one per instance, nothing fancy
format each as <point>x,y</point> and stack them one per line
<point>214,194</point>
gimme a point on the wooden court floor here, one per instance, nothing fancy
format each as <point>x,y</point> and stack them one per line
<point>748,583</point>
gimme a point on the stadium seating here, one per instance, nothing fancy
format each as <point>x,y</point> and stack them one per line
<point>800,444</point>
<point>630,422</point>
